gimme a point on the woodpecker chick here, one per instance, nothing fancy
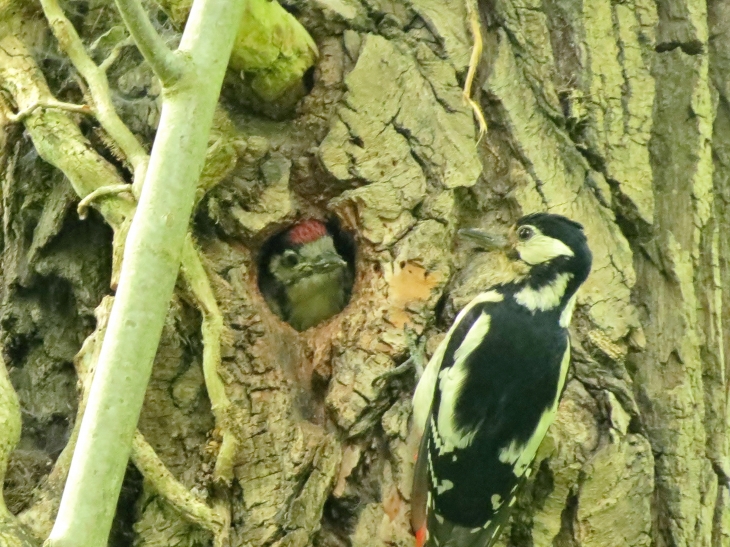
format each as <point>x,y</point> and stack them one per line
<point>492,387</point>
<point>306,281</point>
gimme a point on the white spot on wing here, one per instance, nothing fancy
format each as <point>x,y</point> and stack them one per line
<point>496,501</point>
<point>445,486</point>
<point>546,297</point>
<point>541,248</point>
<point>520,456</point>
<point>439,518</point>
<point>567,314</point>
<point>473,338</point>
<point>451,382</point>
<point>423,396</point>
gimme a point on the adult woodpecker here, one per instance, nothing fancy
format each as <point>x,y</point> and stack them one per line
<point>492,387</point>
<point>305,280</point>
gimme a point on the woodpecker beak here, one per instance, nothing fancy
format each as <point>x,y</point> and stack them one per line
<point>328,262</point>
<point>484,240</point>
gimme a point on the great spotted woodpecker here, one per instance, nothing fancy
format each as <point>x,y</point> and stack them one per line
<point>304,279</point>
<point>492,387</point>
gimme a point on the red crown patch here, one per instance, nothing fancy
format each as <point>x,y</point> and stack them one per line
<point>306,232</point>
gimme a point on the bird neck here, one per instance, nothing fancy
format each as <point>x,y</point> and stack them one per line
<point>548,289</point>
<point>315,298</point>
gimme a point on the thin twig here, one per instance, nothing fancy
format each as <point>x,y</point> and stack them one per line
<point>95,77</point>
<point>115,52</point>
<point>166,64</point>
<point>476,55</point>
<point>83,207</point>
<point>172,490</point>
<point>70,107</point>
<point>198,283</point>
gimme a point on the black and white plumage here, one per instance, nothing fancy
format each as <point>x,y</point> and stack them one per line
<point>491,389</point>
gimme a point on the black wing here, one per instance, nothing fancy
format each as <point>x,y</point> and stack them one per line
<point>508,386</point>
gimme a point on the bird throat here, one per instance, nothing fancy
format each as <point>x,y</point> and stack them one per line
<point>314,299</point>
<point>548,296</point>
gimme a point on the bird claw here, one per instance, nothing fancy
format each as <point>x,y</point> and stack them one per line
<point>417,349</point>
<point>416,361</point>
<point>381,381</point>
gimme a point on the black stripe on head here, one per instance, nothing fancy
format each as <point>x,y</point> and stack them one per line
<point>556,226</point>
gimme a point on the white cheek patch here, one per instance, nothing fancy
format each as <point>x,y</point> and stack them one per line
<point>541,248</point>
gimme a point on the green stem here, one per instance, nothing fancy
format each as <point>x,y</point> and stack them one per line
<point>199,285</point>
<point>95,77</point>
<point>165,63</point>
<point>149,271</point>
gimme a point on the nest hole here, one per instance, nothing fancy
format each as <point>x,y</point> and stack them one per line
<point>306,271</point>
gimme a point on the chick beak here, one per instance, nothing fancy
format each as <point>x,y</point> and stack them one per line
<point>485,240</point>
<point>328,262</point>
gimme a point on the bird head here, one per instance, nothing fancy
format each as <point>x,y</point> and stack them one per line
<point>307,280</point>
<point>307,250</point>
<point>544,244</point>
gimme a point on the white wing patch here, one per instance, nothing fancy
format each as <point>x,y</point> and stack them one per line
<point>567,314</point>
<point>451,382</point>
<point>445,486</point>
<point>423,396</point>
<point>473,338</point>
<point>541,248</point>
<point>546,297</point>
<point>520,456</point>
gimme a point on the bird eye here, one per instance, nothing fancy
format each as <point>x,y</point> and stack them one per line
<point>525,233</point>
<point>290,259</point>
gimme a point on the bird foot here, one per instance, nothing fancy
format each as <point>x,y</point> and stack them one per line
<point>415,362</point>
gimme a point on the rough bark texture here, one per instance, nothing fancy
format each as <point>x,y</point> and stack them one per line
<point>615,114</point>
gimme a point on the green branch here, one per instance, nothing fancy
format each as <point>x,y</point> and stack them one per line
<point>198,284</point>
<point>93,178</point>
<point>149,270</point>
<point>168,66</point>
<point>272,47</point>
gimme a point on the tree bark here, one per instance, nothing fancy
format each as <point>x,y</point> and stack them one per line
<point>614,114</point>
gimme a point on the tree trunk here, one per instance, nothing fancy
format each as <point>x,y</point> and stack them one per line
<point>614,114</point>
